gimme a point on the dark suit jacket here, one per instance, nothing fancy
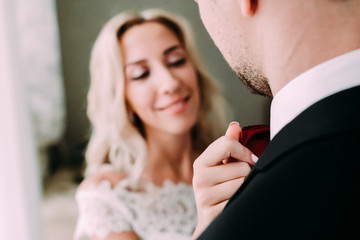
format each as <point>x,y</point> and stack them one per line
<point>306,183</point>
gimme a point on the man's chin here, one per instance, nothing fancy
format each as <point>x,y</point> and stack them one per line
<point>262,91</point>
<point>258,85</point>
<point>253,79</point>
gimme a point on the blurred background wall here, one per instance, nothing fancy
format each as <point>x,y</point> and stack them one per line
<point>80,22</point>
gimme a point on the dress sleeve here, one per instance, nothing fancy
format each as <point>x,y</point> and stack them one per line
<point>100,212</point>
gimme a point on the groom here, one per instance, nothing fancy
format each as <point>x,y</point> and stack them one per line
<point>306,184</point>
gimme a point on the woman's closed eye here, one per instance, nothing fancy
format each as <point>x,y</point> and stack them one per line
<point>141,76</point>
<point>175,56</point>
<point>175,59</point>
<point>177,62</point>
<point>139,73</point>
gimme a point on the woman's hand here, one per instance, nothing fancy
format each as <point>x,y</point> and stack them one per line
<point>218,172</point>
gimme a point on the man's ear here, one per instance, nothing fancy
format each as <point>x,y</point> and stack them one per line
<point>248,7</point>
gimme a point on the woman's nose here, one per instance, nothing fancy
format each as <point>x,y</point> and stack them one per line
<point>167,81</point>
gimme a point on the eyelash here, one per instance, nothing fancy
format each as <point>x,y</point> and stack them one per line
<point>144,75</point>
<point>177,63</point>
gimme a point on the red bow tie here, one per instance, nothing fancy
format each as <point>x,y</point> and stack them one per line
<point>255,138</point>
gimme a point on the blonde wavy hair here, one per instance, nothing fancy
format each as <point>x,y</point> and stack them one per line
<point>116,143</point>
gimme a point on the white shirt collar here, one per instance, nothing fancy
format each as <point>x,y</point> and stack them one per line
<point>319,82</point>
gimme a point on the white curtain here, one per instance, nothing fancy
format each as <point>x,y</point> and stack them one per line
<point>31,110</point>
<point>40,57</point>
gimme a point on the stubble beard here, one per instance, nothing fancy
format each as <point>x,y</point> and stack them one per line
<point>253,79</point>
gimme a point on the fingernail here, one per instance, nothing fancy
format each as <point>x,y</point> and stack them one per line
<point>234,123</point>
<point>254,158</point>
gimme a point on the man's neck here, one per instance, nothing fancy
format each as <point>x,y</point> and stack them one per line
<point>300,43</point>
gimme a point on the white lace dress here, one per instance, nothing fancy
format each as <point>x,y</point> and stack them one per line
<point>170,213</point>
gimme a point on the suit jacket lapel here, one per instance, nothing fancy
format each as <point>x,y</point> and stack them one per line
<point>335,114</point>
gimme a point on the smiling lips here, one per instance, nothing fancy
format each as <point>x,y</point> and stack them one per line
<point>177,106</point>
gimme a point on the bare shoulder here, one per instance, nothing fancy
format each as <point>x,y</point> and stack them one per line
<point>112,176</point>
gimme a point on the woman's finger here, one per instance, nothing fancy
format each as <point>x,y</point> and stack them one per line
<point>210,176</point>
<point>223,148</point>
<point>221,192</point>
<point>233,131</point>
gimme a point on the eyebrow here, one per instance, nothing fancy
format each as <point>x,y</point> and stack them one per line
<point>170,49</point>
<point>134,63</point>
<point>167,51</point>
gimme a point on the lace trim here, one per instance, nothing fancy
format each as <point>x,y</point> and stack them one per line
<point>168,211</point>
